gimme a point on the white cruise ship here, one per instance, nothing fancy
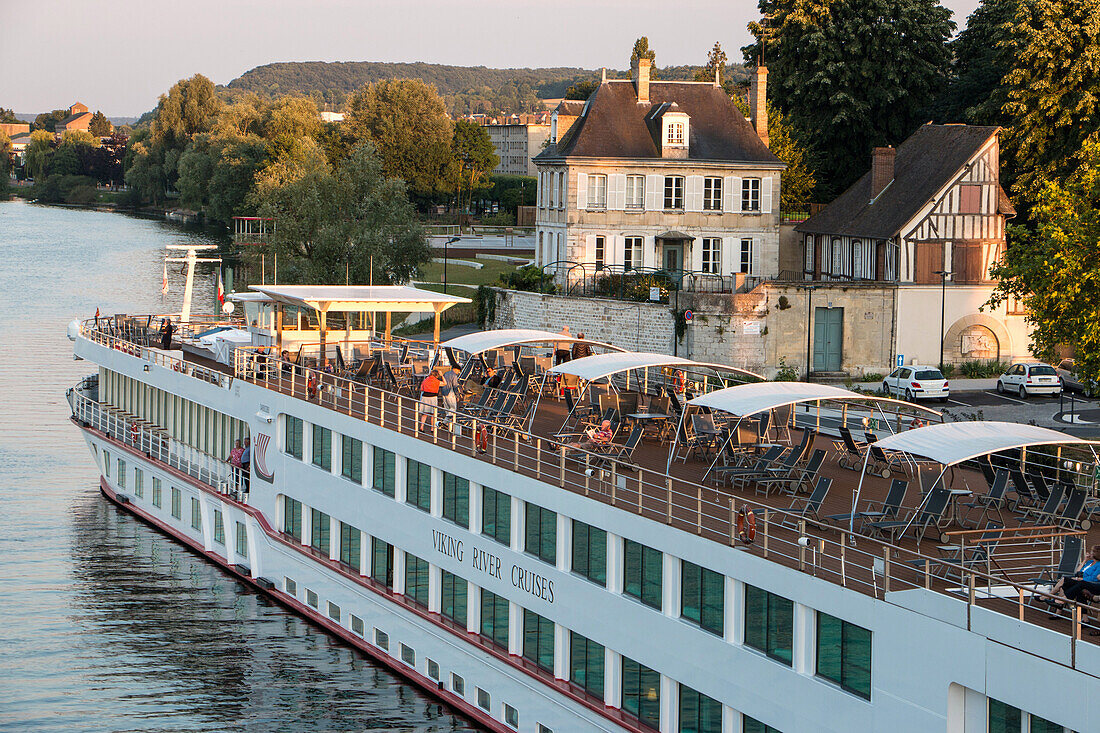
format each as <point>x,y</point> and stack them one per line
<point>728,556</point>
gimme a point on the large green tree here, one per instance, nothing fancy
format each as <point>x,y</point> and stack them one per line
<point>190,106</point>
<point>99,126</point>
<point>332,224</point>
<point>982,55</point>
<point>642,50</point>
<point>1053,266</point>
<point>474,157</point>
<point>407,123</point>
<point>716,63</point>
<point>852,74</point>
<point>1052,91</point>
<point>799,181</point>
<point>37,154</point>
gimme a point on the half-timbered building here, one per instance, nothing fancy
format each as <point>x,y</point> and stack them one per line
<point>926,222</point>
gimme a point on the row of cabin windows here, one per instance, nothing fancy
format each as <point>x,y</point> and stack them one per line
<point>710,250</point>
<point>673,193</point>
<point>1005,718</point>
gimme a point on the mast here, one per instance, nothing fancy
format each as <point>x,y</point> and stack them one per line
<point>190,259</point>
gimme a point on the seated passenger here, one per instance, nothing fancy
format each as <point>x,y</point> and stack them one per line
<point>596,437</point>
<point>1083,585</point>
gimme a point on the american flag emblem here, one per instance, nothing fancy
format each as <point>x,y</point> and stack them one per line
<point>259,458</point>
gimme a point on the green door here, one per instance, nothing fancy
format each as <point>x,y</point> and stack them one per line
<point>828,339</point>
<point>674,258</point>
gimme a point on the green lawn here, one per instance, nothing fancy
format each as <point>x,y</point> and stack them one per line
<point>487,275</point>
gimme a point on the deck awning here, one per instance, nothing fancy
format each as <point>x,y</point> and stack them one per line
<point>360,298</point>
<point>750,399</point>
<point>476,343</point>
<point>955,442</point>
<point>591,368</point>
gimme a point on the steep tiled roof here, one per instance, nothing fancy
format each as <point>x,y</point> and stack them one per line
<point>926,162</point>
<point>614,125</point>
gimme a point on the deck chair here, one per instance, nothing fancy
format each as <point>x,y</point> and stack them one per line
<point>624,451</point>
<point>883,464</point>
<point>1067,565</point>
<point>1070,516</point>
<point>780,471</point>
<point>1024,494</point>
<point>758,468</point>
<point>850,453</point>
<point>994,499</point>
<point>886,510</point>
<point>366,368</point>
<point>932,511</point>
<point>1048,513</point>
<point>808,507</point>
<point>797,477</point>
<point>1038,483</point>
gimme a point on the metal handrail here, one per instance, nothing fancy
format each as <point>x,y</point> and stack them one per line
<point>89,331</point>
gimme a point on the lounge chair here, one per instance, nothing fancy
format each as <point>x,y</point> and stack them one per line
<point>993,500</point>
<point>1066,567</point>
<point>1070,516</point>
<point>1048,513</point>
<point>758,468</point>
<point>809,506</point>
<point>795,477</point>
<point>886,510</point>
<point>850,453</point>
<point>1025,497</point>
<point>932,512</point>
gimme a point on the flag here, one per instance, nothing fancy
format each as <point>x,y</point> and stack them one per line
<point>221,289</point>
<point>97,313</point>
<point>164,281</point>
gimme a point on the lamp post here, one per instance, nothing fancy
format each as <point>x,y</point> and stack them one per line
<point>943,307</point>
<point>445,258</point>
<point>809,325</point>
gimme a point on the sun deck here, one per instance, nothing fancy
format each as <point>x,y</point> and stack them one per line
<point>682,495</point>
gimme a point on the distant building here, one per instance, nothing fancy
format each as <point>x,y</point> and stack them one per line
<point>332,116</point>
<point>79,119</point>
<point>516,144</point>
<point>11,129</point>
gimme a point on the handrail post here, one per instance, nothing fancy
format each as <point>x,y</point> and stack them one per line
<point>561,467</point>
<point>801,547</point>
<point>927,574</point>
<point>733,520</point>
<point>766,527</point>
<point>515,450</point>
<point>538,458</point>
<point>885,571</point>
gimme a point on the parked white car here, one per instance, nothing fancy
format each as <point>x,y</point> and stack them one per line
<point>1028,378</point>
<point>916,382</point>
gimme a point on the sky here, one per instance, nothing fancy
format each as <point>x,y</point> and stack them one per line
<point>120,55</point>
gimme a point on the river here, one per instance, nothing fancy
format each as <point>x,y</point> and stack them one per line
<point>105,624</point>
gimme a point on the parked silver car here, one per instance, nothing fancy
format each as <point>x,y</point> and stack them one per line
<point>1072,381</point>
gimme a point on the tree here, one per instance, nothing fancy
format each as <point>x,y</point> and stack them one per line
<point>641,51</point>
<point>37,154</point>
<point>848,80</point>
<point>7,116</point>
<point>407,123</point>
<point>1052,267</point>
<point>217,174</point>
<point>6,153</point>
<point>982,56</point>
<point>333,224</point>
<point>291,116</point>
<point>474,157</point>
<point>100,126</point>
<point>190,107</point>
<point>48,120</point>
<point>799,179</point>
<point>716,63</point>
<point>1052,105</point>
<point>582,89</point>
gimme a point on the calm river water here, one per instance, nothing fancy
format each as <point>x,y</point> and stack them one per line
<point>104,623</point>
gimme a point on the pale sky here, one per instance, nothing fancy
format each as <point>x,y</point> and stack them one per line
<point>119,55</point>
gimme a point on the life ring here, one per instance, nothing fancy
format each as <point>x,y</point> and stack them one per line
<point>746,525</point>
<point>917,423</point>
<point>134,432</point>
<point>678,381</point>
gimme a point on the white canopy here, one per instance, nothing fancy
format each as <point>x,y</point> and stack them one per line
<point>360,298</point>
<point>955,442</point>
<point>750,399</point>
<point>476,343</point>
<point>603,365</point>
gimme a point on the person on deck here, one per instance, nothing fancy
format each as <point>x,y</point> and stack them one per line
<point>1083,585</point>
<point>561,348</point>
<point>596,437</point>
<point>429,398</point>
<point>492,378</point>
<point>246,463</point>
<point>581,348</point>
<point>449,389</point>
<point>235,461</point>
<point>166,332</point>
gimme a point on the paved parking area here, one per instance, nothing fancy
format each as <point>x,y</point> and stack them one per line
<point>1048,412</point>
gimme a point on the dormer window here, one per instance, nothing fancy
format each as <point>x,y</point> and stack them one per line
<point>675,133</point>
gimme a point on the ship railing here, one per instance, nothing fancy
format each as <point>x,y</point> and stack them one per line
<point>105,337</point>
<point>156,444</point>
<point>871,565</point>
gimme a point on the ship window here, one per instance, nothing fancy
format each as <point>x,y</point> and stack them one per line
<point>350,538</point>
<point>177,503</point>
<point>494,618</point>
<point>106,463</point>
<point>769,623</point>
<point>453,602</point>
<point>319,538</point>
<point>351,462</point>
<point>322,447</point>
<point>384,479</point>
<point>483,700</point>
<point>156,492</point>
<point>541,535</point>
<point>699,713</point>
<point>242,540</point>
<point>408,655</point>
<point>294,436</point>
<point>290,587</point>
<point>357,624</point>
<point>416,579</point>
<point>219,528</point>
<point>458,685</point>
<point>433,669</point>
<point>590,552</point>
<point>641,693</point>
<point>496,515</point>
<point>752,725</point>
<point>381,639</point>
<point>702,597</point>
<point>586,659</point>
<point>139,483</point>
<point>511,716</point>
<point>121,474</point>
<point>456,499</point>
<point>292,517</point>
<point>538,640</point>
<point>1004,718</point>
<point>844,654</point>
<point>311,598</point>
<point>1041,725</point>
<point>543,729</point>
<point>333,611</point>
<point>418,485</point>
<point>381,563</point>
<point>642,573</point>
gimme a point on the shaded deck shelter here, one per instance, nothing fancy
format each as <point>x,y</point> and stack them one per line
<point>482,341</point>
<point>386,299</point>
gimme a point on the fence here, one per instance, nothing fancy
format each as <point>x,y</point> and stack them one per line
<point>639,283</point>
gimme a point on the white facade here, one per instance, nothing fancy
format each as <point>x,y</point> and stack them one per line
<point>516,145</point>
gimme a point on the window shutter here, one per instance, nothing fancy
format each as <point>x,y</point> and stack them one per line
<point>582,191</point>
<point>694,200</point>
<point>735,194</point>
<point>727,193</point>
<point>654,193</point>
<point>616,194</point>
<point>766,195</point>
<point>755,258</point>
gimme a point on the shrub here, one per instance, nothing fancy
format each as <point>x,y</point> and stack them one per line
<point>83,195</point>
<point>530,278</point>
<point>786,372</point>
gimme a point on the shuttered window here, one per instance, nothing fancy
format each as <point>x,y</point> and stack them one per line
<point>928,258</point>
<point>966,262</point>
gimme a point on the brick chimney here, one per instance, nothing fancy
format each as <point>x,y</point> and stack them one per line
<point>758,97</point>
<point>882,170</point>
<point>641,79</point>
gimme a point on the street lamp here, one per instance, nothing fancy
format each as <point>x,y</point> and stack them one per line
<point>809,325</point>
<point>445,258</point>
<point>943,299</point>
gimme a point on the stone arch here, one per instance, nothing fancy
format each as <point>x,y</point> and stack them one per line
<point>975,324</point>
